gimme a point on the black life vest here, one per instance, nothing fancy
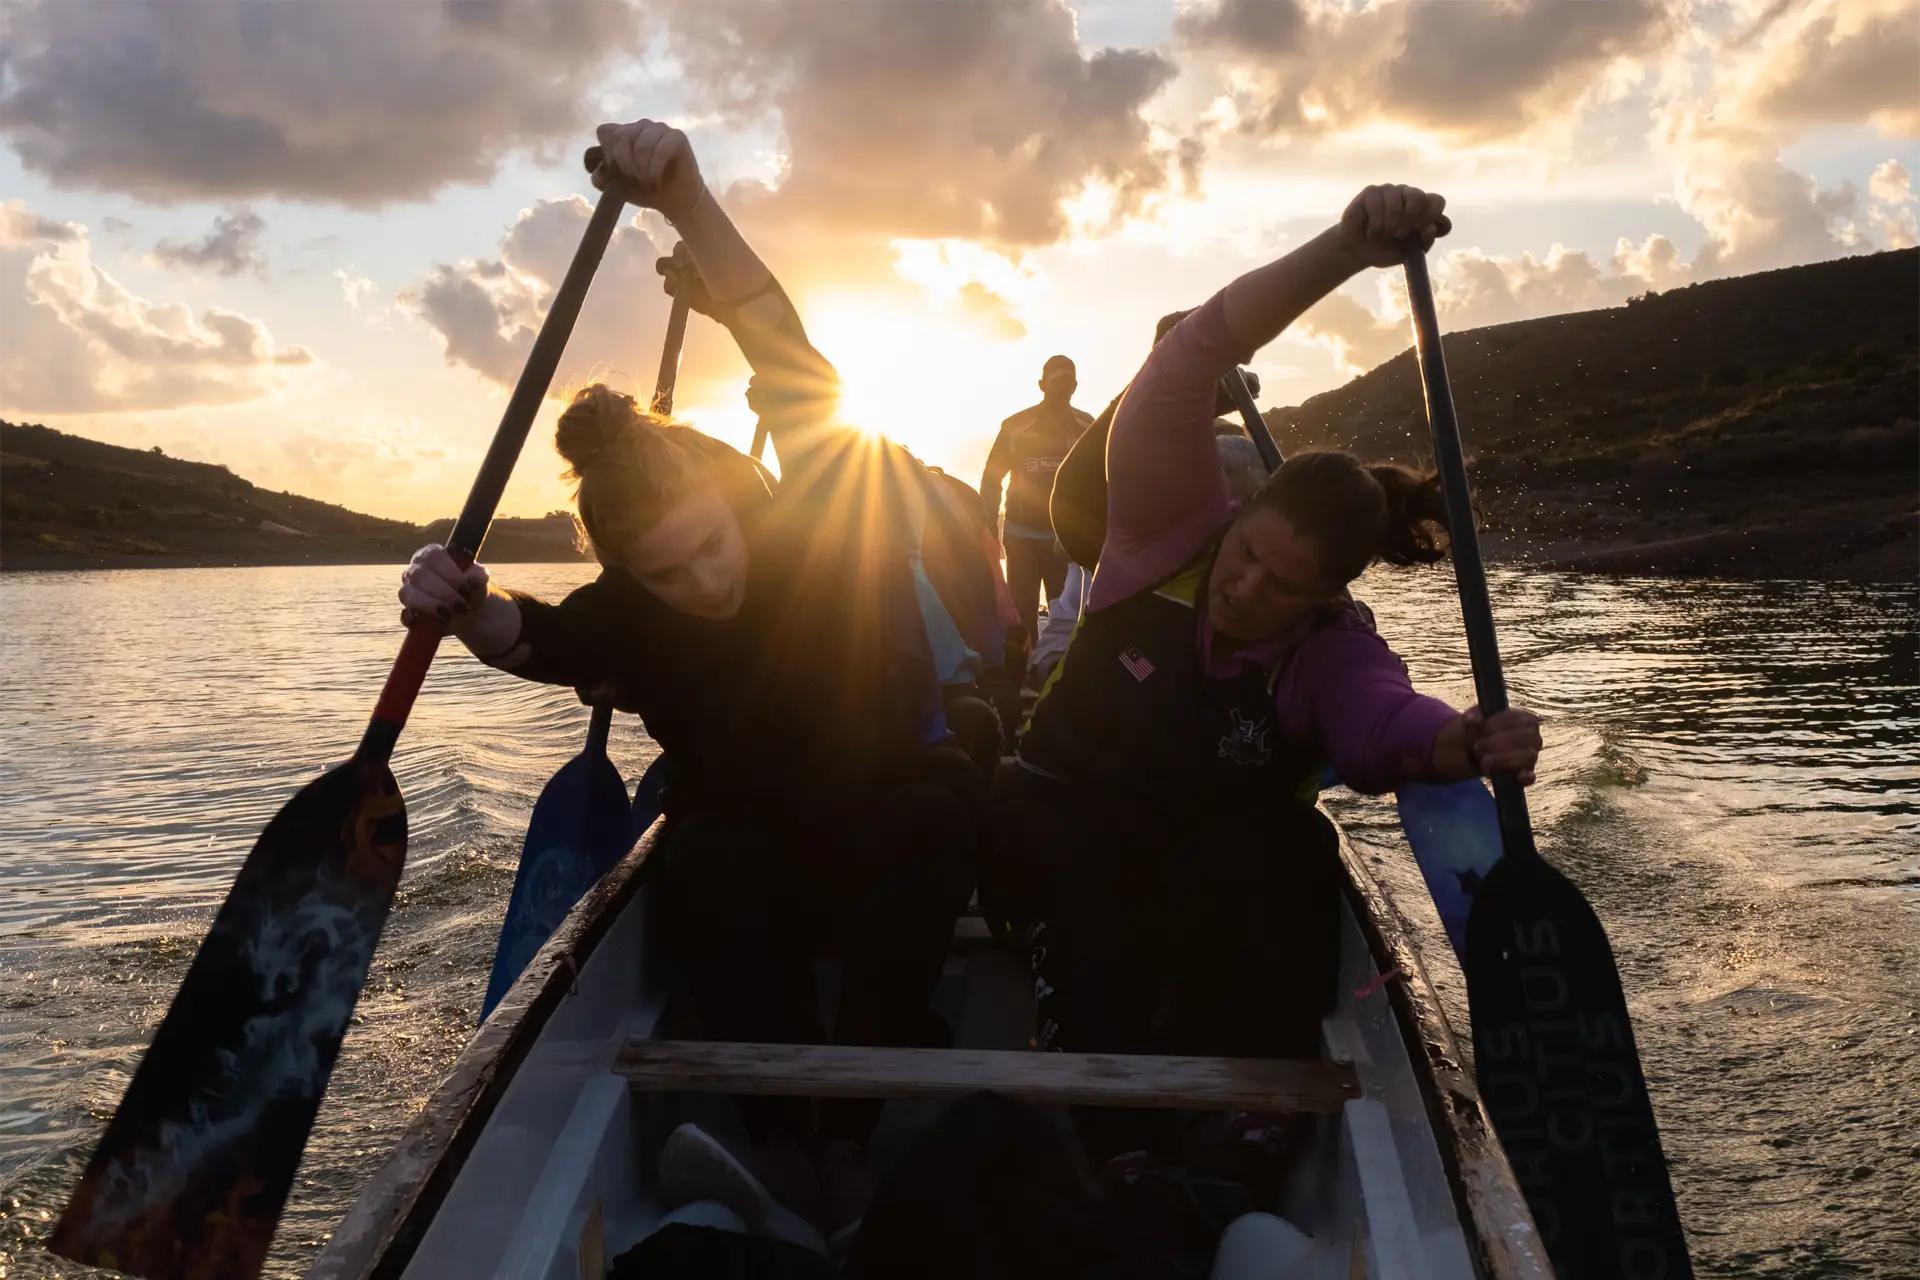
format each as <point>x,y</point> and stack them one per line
<point>1130,708</point>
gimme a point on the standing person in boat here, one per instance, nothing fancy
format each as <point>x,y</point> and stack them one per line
<point>1028,449</point>
<point>787,654</point>
<point>1160,825</point>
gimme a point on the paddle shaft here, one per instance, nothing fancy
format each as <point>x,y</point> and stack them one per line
<point>470,530</point>
<point>1489,682</point>
<point>1554,1053</point>
<point>1256,425</point>
<point>662,404</point>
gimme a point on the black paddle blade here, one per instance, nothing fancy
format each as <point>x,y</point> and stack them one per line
<point>195,1167</point>
<point>1560,1077</point>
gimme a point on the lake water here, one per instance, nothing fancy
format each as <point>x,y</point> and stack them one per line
<point>1732,775</point>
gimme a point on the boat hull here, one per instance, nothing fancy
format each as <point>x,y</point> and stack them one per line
<point>537,1152</point>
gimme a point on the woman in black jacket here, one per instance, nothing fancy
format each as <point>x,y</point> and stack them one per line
<point>782,652</point>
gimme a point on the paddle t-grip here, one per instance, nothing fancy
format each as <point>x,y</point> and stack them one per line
<point>596,157</point>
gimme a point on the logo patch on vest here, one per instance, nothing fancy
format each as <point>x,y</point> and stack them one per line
<point>1136,662</point>
<point>1249,741</point>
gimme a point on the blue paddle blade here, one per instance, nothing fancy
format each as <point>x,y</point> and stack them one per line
<point>581,826</point>
<point>1454,832</point>
<point>646,798</point>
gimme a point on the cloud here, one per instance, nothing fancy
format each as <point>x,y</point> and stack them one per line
<point>1891,183</point>
<point>78,341</point>
<point>1479,72</point>
<point>354,288</point>
<point>371,454</point>
<point>1893,215</point>
<point>305,99</point>
<point>1758,213</point>
<point>984,305</point>
<point>930,120</point>
<point>488,311</point>
<point>1357,337</point>
<point>232,246</point>
<point>1473,289</point>
<point>1838,63</point>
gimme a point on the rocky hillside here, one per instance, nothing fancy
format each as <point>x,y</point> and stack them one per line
<point>69,502</point>
<point>1766,425</point>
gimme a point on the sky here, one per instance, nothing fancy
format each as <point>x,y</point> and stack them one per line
<point>312,240</point>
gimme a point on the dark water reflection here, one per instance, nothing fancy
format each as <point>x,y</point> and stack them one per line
<point>1733,775</point>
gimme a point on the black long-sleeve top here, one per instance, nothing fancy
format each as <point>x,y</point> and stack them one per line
<point>824,677</point>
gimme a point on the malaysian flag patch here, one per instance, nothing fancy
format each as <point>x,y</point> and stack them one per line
<point>1136,662</point>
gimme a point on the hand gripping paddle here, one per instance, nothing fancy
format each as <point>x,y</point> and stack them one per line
<point>195,1166</point>
<point>1553,1047</point>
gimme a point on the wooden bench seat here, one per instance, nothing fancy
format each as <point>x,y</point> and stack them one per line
<point>1115,1080</point>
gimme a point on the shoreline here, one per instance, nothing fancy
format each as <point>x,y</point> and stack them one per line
<point>1857,549</point>
<point>80,562</point>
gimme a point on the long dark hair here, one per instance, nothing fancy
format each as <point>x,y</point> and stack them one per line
<point>632,467</point>
<point>1357,513</point>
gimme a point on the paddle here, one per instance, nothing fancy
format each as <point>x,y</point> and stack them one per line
<point>1236,384</point>
<point>1553,1045</point>
<point>194,1169</point>
<point>582,823</point>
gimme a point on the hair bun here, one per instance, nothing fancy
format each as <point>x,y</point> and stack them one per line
<point>1417,531</point>
<point>595,427</point>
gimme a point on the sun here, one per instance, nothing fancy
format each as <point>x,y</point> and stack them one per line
<point>918,376</point>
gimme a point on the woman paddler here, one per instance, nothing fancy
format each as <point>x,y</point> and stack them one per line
<point>787,654</point>
<point>1158,839</point>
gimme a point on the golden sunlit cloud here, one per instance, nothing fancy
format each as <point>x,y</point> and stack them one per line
<point>945,267</point>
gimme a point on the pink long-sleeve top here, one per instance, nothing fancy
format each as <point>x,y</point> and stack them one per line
<point>1342,687</point>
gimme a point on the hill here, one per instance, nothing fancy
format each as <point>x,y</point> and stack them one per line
<point>1765,425</point>
<point>69,502</point>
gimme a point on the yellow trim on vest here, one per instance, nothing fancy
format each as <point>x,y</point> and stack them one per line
<point>1184,587</point>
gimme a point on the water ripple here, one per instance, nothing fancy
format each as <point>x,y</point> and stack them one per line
<point>1730,775</point>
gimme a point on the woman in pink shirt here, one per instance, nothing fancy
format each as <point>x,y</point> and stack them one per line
<point>1160,828</point>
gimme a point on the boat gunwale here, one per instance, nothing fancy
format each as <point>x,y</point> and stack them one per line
<point>393,1211</point>
<point>1504,1241</point>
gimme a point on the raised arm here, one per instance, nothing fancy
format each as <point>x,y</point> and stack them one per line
<point>1165,494</point>
<point>1372,232</point>
<point>794,388</point>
